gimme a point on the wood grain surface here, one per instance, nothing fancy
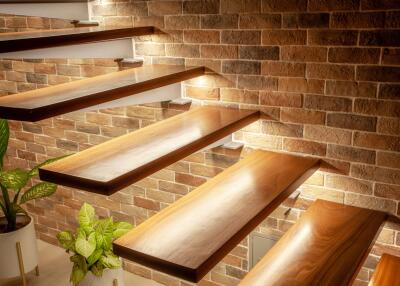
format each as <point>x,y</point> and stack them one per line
<point>47,102</point>
<point>387,273</point>
<point>40,39</point>
<point>108,167</point>
<point>191,236</point>
<point>327,246</point>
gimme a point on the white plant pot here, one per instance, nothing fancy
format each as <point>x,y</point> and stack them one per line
<point>109,275</point>
<point>9,266</point>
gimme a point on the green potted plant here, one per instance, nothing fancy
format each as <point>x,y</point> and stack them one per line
<point>15,223</point>
<point>94,263</point>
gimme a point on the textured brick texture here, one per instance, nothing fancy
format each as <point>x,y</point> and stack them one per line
<point>326,74</point>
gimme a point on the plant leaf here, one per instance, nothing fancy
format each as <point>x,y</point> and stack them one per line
<point>14,179</point>
<point>35,170</point>
<point>111,261</point>
<point>18,209</point>
<point>4,135</point>
<point>85,247</point>
<point>97,269</point>
<point>121,228</point>
<point>86,215</point>
<point>104,232</point>
<point>39,190</point>
<point>92,259</point>
<point>67,240</point>
<point>79,269</point>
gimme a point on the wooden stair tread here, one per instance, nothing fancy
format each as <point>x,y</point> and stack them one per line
<point>42,1</point>
<point>39,39</point>
<point>188,238</point>
<point>108,167</point>
<point>325,247</point>
<point>387,272</point>
<point>60,99</point>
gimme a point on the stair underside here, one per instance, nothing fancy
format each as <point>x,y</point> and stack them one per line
<point>21,41</point>
<point>60,99</point>
<point>325,247</point>
<point>108,167</point>
<point>387,272</point>
<point>191,236</point>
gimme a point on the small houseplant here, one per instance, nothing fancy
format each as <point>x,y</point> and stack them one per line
<point>94,263</point>
<point>15,224</point>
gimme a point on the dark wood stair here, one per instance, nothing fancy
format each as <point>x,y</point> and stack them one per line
<point>21,41</point>
<point>108,167</point>
<point>327,246</point>
<point>191,236</point>
<point>42,1</point>
<point>60,99</point>
<point>387,273</point>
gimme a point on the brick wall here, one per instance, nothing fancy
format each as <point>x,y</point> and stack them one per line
<point>325,73</point>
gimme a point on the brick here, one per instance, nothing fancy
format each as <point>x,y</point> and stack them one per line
<point>283,5</point>
<point>219,52</point>
<point>314,193</point>
<point>352,121</point>
<point>381,73</point>
<point>204,171</point>
<point>173,188</point>
<point>301,85</point>
<point>182,50</point>
<point>329,71</point>
<point>147,204</point>
<point>304,54</point>
<point>332,37</point>
<point>391,56</point>
<point>113,131</point>
<point>182,22</point>
<point>241,67</point>
<point>23,66</point>
<point>388,159</point>
<point>306,20</point>
<point>389,91</point>
<point>327,134</point>
<point>370,202</point>
<point>203,93</point>
<point>392,19</point>
<point>388,125</point>
<point>328,103</point>
<point>284,37</point>
<point>257,82</point>
<point>379,174</point>
<point>157,21</point>
<point>240,96</point>
<point>354,55</point>
<point>286,69</point>
<point>387,191</point>
<point>129,123</point>
<point>161,8</point>
<point>377,141</point>
<point>333,5</point>
<point>220,22</point>
<point>132,9</point>
<point>282,129</point>
<point>390,38</point>
<point>44,68</point>
<point>379,4</point>
<point>377,107</point>
<point>201,7</point>
<point>67,145</point>
<point>351,154</point>
<point>96,118</point>
<point>348,184</point>
<point>118,21</point>
<point>150,49</point>
<point>240,6</point>
<point>241,37</point>
<point>36,78</point>
<point>357,20</point>
<point>350,88</point>
<point>302,116</point>
<point>105,10</point>
<point>281,99</point>
<point>304,146</point>
<point>199,36</point>
<point>38,23</point>
<point>263,21</point>
<point>258,53</point>
<point>8,86</point>
<point>190,180</point>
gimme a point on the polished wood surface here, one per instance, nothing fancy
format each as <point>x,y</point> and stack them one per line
<point>60,99</point>
<point>108,167</point>
<point>327,246</point>
<point>42,1</point>
<point>39,39</point>
<point>191,236</point>
<point>387,273</point>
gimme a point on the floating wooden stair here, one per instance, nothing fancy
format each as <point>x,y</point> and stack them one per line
<point>21,41</point>
<point>191,236</point>
<point>60,99</point>
<point>325,247</point>
<point>387,273</point>
<point>108,167</point>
